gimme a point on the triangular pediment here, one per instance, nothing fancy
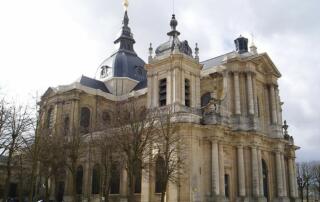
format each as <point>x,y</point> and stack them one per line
<point>49,92</point>
<point>266,65</point>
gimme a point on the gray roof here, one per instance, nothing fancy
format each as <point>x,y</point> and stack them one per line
<point>125,62</point>
<point>221,59</point>
<point>93,83</point>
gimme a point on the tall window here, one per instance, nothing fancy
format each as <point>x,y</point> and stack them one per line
<point>115,179</point>
<point>187,92</point>
<point>138,175</point>
<point>227,185</point>
<point>49,121</point>
<point>95,179</point>
<point>159,174</point>
<point>66,125</point>
<point>79,179</point>
<point>265,178</point>
<point>163,92</point>
<point>85,119</point>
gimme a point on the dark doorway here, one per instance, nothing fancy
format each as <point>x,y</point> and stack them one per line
<point>265,179</point>
<point>13,190</point>
<point>60,191</point>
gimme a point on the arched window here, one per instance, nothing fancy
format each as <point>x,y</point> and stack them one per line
<point>79,179</point>
<point>115,179</point>
<point>159,174</point>
<point>96,179</point>
<point>85,118</point>
<point>265,179</point>
<point>49,121</point>
<point>138,176</point>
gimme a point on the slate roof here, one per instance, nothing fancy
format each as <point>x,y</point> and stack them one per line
<point>93,83</point>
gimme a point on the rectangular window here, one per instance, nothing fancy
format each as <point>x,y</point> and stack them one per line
<point>187,92</point>
<point>163,92</point>
<point>226,185</point>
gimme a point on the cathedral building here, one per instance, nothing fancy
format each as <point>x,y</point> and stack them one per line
<point>228,106</point>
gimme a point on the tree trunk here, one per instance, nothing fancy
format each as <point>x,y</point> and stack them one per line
<point>307,193</point>
<point>8,178</point>
<point>47,194</point>
<point>131,186</point>
<point>74,187</point>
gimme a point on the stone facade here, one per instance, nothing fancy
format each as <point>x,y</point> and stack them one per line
<point>230,117</point>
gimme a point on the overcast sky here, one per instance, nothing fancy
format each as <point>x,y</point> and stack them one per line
<point>53,42</point>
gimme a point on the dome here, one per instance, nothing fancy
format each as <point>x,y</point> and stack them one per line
<point>124,64</point>
<point>174,41</point>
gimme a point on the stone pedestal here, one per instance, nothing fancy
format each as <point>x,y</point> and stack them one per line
<point>242,199</point>
<point>282,199</point>
<point>218,199</point>
<point>261,199</point>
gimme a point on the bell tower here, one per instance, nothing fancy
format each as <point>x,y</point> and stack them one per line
<point>174,74</point>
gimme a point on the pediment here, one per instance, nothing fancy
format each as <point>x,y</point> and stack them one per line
<point>266,65</point>
<point>49,92</point>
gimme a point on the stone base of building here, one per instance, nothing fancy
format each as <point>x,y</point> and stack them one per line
<point>282,199</point>
<point>295,200</point>
<point>218,199</point>
<point>243,199</point>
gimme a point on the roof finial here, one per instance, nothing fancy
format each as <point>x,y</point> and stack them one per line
<point>173,6</point>
<point>150,53</point>
<point>125,4</point>
<point>196,52</point>
<point>253,47</point>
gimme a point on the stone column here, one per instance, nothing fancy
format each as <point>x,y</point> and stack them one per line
<point>221,170</point>
<point>279,174</point>
<point>237,93</point>
<point>124,185</point>
<point>292,178</point>
<point>198,96</point>
<point>241,172</point>
<point>150,91</point>
<point>273,104</point>
<point>255,172</point>
<point>193,91</point>
<point>155,91</point>
<point>255,97</point>
<point>284,176</point>
<point>260,173</point>
<point>86,180</point>
<point>215,168</point>
<point>176,85</point>
<point>250,94</point>
<point>145,186</point>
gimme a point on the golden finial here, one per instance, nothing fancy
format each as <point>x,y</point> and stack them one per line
<point>125,4</point>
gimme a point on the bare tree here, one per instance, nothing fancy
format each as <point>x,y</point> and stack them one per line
<point>51,158</point>
<point>170,148</point>
<point>304,177</point>
<point>134,131</point>
<point>74,148</point>
<point>19,124</point>
<point>106,149</point>
<point>3,125</point>
<point>316,177</point>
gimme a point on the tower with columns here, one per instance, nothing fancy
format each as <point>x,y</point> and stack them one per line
<point>228,110</point>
